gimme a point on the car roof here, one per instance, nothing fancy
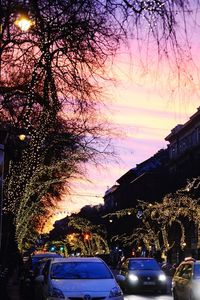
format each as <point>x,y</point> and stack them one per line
<point>142,258</point>
<point>191,261</point>
<point>46,254</point>
<point>77,259</point>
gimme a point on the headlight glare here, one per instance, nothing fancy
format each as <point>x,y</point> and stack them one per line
<point>162,277</point>
<point>133,277</point>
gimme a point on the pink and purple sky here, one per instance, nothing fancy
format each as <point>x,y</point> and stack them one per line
<point>146,101</point>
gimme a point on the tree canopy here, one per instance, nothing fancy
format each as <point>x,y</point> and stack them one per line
<point>50,87</point>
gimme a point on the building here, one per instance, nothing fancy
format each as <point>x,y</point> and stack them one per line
<point>147,182</point>
<point>165,172</point>
<point>184,150</point>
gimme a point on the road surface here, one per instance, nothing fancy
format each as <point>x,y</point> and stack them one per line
<point>148,296</point>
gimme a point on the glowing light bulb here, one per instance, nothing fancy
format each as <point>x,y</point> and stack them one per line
<point>24,23</point>
<point>22,137</point>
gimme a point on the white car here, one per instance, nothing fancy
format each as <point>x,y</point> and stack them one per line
<point>77,278</point>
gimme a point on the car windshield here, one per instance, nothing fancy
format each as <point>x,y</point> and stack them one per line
<point>36,258</point>
<point>143,264</point>
<point>196,270</point>
<point>80,270</point>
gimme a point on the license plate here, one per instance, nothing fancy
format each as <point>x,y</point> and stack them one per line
<point>149,283</point>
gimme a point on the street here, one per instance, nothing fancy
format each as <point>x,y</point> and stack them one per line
<point>14,295</point>
<point>148,296</point>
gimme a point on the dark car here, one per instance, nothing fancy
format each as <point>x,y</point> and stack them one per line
<point>142,274</point>
<point>32,267</point>
<point>186,280</point>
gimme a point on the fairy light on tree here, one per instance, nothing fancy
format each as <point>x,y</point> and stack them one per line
<point>87,238</point>
<point>50,86</point>
<point>158,218</point>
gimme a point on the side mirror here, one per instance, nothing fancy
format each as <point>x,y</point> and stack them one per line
<point>120,278</point>
<point>40,278</point>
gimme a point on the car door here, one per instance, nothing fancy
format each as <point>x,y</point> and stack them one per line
<point>45,283</point>
<point>186,281</point>
<point>177,282</point>
<point>182,281</point>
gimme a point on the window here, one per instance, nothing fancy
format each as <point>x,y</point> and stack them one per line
<point>143,264</point>
<point>80,270</point>
<point>46,268</point>
<point>179,270</point>
<point>185,271</point>
<point>173,151</point>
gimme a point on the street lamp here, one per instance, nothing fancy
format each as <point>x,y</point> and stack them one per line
<point>24,22</point>
<point>22,137</point>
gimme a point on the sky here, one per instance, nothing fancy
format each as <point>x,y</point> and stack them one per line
<point>144,103</point>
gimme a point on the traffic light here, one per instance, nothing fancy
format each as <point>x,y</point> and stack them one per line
<point>52,248</point>
<point>62,248</point>
<point>86,236</point>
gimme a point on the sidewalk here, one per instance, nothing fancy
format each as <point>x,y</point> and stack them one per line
<point>13,288</point>
<point>13,291</point>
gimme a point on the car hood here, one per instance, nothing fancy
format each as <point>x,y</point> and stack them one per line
<point>146,272</point>
<point>84,285</point>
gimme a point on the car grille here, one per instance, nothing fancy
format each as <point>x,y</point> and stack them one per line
<point>81,298</point>
<point>150,278</point>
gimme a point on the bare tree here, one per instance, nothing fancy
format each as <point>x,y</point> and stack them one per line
<point>50,87</point>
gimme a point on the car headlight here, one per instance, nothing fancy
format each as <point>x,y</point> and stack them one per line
<point>54,292</point>
<point>115,292</point>
<point>132,277</point>
<point>162,277</point>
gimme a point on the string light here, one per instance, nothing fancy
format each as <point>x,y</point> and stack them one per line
<point>87,237</point>
<point>157,219</point>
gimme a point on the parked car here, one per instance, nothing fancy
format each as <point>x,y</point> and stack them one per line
<point>39,266</point>
<point>186,280</point>
<point>32,267</point>
<point>77,278</point>
<point>38,257</point>
<point>142,274</point>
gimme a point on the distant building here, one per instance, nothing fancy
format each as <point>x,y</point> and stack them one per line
<point>144,182</point>
<point>110,202</point>
<point>163,173</point>
<point>184,150</point>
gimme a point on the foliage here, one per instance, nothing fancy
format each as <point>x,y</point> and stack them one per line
<point>49,90</point>
<point>158,218</point>
<point>50,87</point>
<point>79,236</point>
<point>87,238</point>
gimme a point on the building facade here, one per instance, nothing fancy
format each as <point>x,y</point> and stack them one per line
<point>184,150</point>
